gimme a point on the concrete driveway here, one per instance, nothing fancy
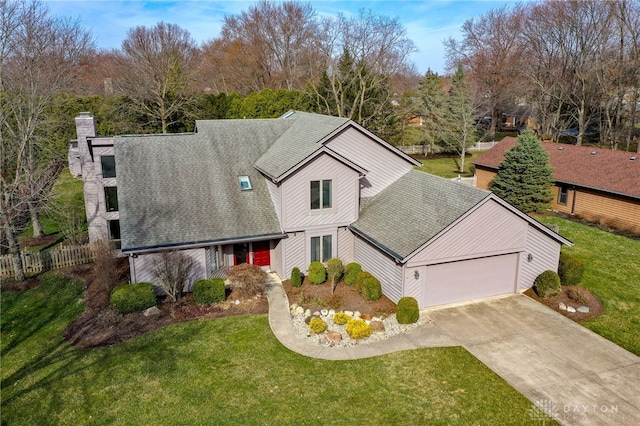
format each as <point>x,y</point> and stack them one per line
<point>572,373</point>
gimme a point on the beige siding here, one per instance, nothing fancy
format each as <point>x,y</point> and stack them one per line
<point>384,167</point>
<point>274,192</point>
<point>613,211</point>
<point>345,245</point>
<point>293,250</point>
<point>544,255</point>
<point>142,267</point>
<point>489,230</point>
<point>484,178</point>
<point>382,267</point>
<point>296,195</point>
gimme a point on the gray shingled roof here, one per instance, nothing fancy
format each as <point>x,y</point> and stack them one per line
<point>419,205</point>
<point>298,142</point>
<point>183,189</point>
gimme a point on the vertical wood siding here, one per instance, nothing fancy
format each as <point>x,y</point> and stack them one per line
<point>294,253</point>
<point>545,252</point>
<point>484,178</point>
<point>382,267</point>
<point>490,229</point>
<point>383,166</point>
<point>142,268</point>
<point>295,192</point>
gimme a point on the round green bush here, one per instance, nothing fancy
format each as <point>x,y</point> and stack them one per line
<point>351,272</point>
<point>340,318</point>
<point>317,325</point>
<point>370,288</point>
<point>358,329</point>
<point>547,284</point>
<point>317,273</point>
<point>296,277</point>
<point>133,297</point>
<point>208,291</point>
<point>570,269</point>
<point>360,278</point>
<point>407,312</point>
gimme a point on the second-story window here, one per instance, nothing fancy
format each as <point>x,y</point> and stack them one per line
<point>108,163</point>
<point>111,198</point>
<point>321,194</point>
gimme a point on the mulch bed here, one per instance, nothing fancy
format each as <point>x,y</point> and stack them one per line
<point>595,305</point>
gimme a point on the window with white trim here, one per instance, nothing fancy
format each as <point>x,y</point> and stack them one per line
<point>321,194</point>
<point>321,248</point>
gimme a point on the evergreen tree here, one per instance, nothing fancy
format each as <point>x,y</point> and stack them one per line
<point>433,101</point>
<point>525,177</point>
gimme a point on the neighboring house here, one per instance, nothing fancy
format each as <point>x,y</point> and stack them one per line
<point>281,193</point>
<point>599,185</point>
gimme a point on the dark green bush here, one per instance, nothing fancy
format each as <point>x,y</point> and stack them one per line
<point>570,269</point>
<point>369,287</point>
<point>547,284</point>
<point>296,277</point>
<point>407,312</point>
<point>133,297</point>
<point>208,291</point>
<point>351,272</point>
<point>360,278</point>
<point>317,273</point>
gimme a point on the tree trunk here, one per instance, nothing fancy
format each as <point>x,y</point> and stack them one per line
<point>38,232</point>
<point>14,251</point>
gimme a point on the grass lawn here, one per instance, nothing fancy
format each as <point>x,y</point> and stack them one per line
<point>448,167</point>
<point>612,272</point>
<point>227,371</point>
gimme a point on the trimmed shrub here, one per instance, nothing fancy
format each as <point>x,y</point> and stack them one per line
<point>578,294</point>
<point>370,288</point>
<point>340,318</point>
<point>317,325</point>
<point>351,272</point>
<point>317,273</point>
<point>360,278</point>
<point>570,269</point>
<point>407,312</point>
<point>296,277</point>
<point>358,329</point>
<point>133,297</point>
<point>547,284</point>
<point>208,291</point>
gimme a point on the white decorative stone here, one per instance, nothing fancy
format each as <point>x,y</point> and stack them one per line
<point>583,309</point>
<point>307,313</point>
<point>562,306</point>
<point>299,310</point>
<point>294,306</point>
<point>237,302</point>
<point>357,314</point>
<point>571,309</point>
<point>316,313</point>
<point>324,312</point>
<point>332,312</point>
<point>151,311</point>
<point>350,313</point>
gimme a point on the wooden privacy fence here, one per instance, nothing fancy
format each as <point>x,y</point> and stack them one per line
<point>46,260</point>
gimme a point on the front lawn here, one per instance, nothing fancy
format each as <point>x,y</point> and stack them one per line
<point>227,371</point>
<point>612,272</point>
<point>448,166</point>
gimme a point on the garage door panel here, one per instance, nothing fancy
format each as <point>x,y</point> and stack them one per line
<point>470,279</point>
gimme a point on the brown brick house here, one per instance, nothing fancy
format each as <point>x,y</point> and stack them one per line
<point>596,184</point>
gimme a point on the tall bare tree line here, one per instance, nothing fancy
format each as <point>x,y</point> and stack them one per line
<point>576,63</point>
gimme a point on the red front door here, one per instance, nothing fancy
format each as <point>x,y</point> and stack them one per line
<point>261,255</point>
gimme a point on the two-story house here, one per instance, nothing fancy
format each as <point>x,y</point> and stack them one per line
<point>281,193</point>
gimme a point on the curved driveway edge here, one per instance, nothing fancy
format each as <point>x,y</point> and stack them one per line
<point>577,376</point>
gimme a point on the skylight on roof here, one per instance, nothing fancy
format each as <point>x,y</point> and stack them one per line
<point>245,183</point>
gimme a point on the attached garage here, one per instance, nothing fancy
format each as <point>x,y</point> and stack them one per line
<point>469,279</point>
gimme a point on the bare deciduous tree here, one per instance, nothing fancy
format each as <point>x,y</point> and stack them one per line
<point>157,71</point>
<point>38,55</point>
<point>173,269</point>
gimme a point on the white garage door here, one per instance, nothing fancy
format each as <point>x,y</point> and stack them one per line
<point>469,279</point>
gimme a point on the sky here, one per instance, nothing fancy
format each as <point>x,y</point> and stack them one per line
<point>427,22</point>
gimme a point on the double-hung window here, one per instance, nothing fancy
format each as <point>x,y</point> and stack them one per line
<point>321,249</point>
<point>108,163</point>
<point>321,194</point>
<point>111,198</point>
<point>563,194</point>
